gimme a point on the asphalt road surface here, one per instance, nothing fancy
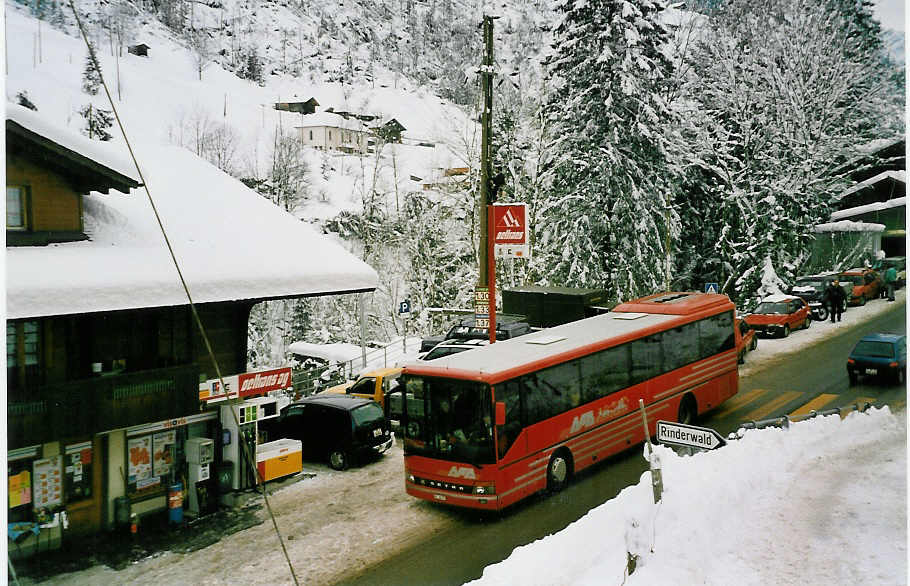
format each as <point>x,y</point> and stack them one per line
<point>811,379</point>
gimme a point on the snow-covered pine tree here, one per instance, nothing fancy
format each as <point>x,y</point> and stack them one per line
<point>91,77</point>
<point>604,222</point>
<point>442,269</point>
<point>97,122</point>
<point>779,94</point>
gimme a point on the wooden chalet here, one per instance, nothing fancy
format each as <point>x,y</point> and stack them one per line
<point>141,50</point>
<point>307,107</point>
<point>390,131</point>
<point>120,358</point>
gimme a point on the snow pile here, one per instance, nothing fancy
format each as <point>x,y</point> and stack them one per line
<point>821,503</point>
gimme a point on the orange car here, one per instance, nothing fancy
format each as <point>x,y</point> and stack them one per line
<point>777,315</point>
<point>866,284</point>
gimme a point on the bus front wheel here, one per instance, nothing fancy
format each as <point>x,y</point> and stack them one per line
<point>558,471</point>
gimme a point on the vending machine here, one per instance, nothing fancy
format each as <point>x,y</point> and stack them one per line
<point>200,453</point>
<point>238,422</point>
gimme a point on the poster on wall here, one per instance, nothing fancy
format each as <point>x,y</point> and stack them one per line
<point>163,460</point>
<point>48,482</point>
<point>139,459</point>
<point>78,471</point>
<point>20,489</point>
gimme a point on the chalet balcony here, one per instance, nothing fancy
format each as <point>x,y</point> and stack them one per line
<point>85,407</point>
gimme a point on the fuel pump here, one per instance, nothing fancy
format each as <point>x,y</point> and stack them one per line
<point>200,453</point>
<point>242,430</point>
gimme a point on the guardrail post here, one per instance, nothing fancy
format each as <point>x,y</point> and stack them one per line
<point>657,485</point>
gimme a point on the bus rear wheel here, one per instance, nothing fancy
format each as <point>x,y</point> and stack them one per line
<point>688,411</point>
<point>558,471</point>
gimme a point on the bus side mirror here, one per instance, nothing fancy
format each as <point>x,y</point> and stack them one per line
<point>500,413</point>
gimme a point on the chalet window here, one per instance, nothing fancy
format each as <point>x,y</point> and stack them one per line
<point>16,216</point>
<point>330,135</point>
<point>311,135</point>
<point>22,353</point>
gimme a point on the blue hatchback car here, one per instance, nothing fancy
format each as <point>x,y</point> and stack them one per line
<point>883,355</point>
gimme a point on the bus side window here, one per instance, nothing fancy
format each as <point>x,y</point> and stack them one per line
<point>680,346</point>
<point>716,334</point>
<point>509,394</point>
<point>605,372</point>
<point>647,358</point>
<point>536,399</point>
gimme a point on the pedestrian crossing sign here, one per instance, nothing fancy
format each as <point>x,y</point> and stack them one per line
<point>712,288</point>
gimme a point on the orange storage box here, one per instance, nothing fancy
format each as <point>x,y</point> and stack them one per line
<point>279,458</point>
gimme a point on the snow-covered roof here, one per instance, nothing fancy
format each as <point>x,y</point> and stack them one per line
<point>232,244</point>
<point>869,207</point>
<point>899,175</point>
<point>849,226</point>
<point>332,120</point>
<point>114,156</point>
<point>879,144</point>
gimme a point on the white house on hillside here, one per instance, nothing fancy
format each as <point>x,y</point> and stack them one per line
<point>329,131</point>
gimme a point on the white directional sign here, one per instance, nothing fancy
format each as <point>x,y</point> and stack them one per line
<point>681,434</point>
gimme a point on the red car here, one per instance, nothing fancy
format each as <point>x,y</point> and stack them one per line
<point>777,315</point>
<point>866,284</point>
<point>745,340</point>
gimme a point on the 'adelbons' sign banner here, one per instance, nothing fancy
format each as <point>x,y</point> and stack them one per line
<point>510,230</point>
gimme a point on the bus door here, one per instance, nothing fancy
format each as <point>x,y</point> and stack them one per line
<point>511,443</point>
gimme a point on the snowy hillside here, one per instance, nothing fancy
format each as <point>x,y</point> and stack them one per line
<point>198,88</point>
<point>161,99</point>
<point>562,134</point>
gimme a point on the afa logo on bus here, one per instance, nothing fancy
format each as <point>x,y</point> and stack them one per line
<point>587,418</point>
<point>462,472</point>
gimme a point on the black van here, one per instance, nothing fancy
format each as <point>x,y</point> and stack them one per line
<point>339,428</point>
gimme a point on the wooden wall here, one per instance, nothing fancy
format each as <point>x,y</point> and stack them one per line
<point>54,204</point>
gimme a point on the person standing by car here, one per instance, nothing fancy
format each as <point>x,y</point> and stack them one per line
<point>836,298</point>
<point>890,278</point>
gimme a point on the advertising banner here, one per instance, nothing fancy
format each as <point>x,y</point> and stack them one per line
<point>163,459</point>
<point>48,476</point>
<point>510,230</point>
<point>139,466</point>
<point>248,384</point>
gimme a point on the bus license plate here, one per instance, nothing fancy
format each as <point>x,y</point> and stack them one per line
<point>871,371</point>
<point>439,497</point>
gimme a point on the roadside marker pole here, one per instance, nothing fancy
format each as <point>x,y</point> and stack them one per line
<point>657,484</point>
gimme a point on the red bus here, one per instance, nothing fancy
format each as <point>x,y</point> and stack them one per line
<point>488,427</point>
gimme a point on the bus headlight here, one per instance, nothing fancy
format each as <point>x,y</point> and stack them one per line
<point>485,488</point>
<point>411,478</point>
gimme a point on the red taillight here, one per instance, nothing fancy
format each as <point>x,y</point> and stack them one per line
<point>851,361</point>
<point>893,365</point>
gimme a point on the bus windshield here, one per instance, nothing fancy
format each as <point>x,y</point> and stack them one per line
<point>448,419</point>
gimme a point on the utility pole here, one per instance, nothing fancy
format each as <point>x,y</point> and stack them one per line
<point>487,260</point>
